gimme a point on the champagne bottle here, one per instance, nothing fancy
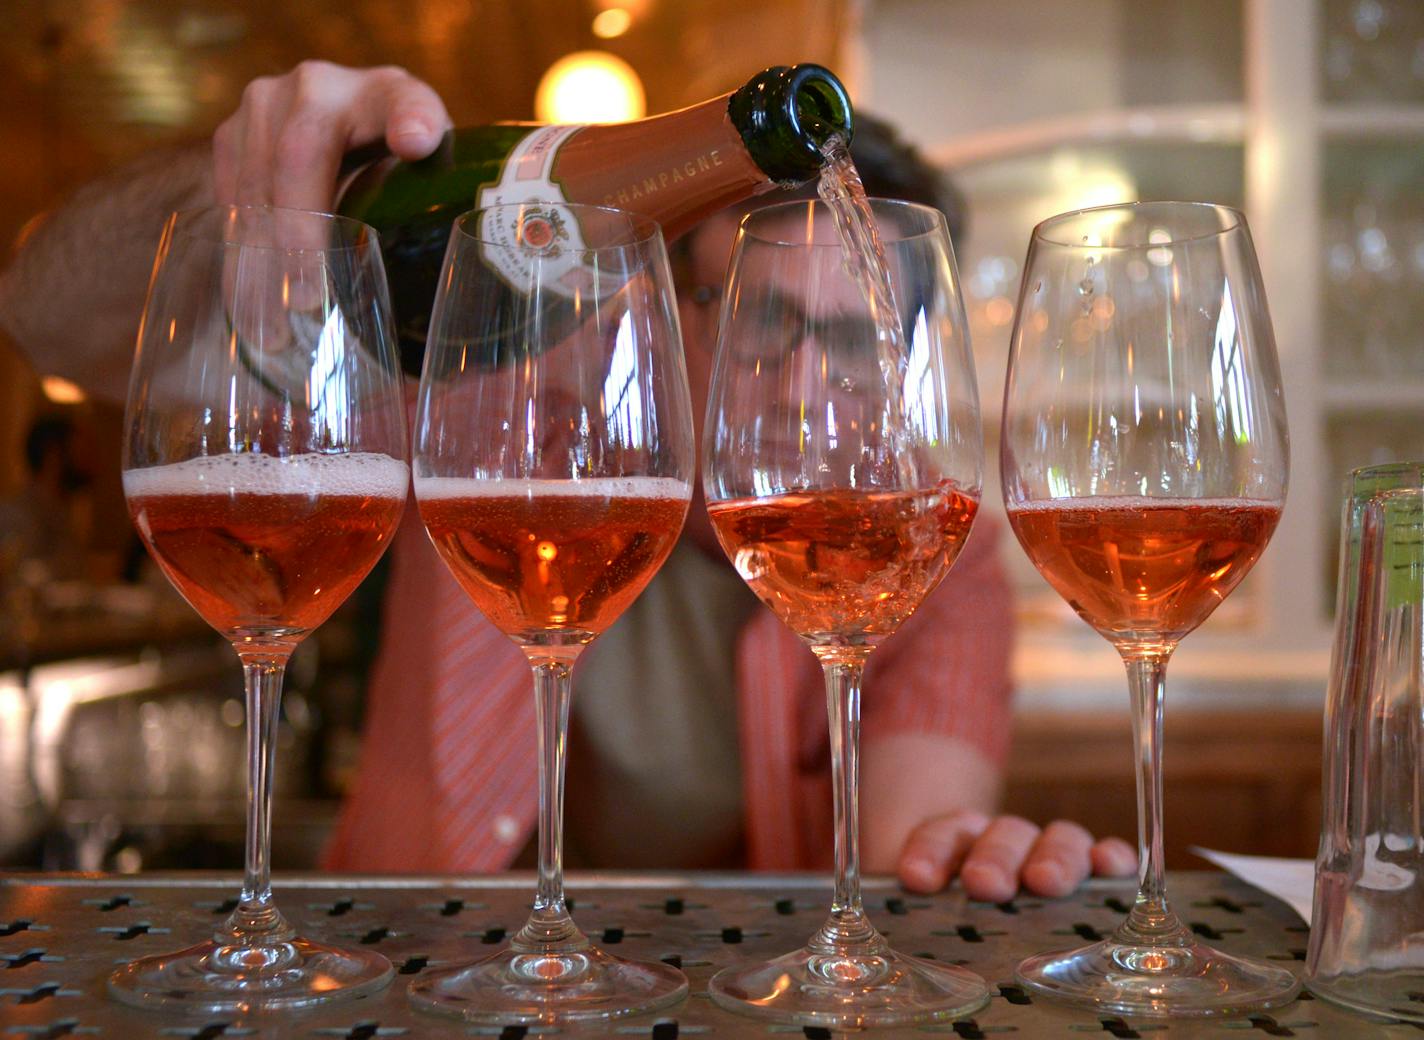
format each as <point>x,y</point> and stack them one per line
<point>676,168</point>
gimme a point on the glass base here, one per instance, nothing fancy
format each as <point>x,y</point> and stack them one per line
<point>843,989</point>
<point>1387,994</point>
<point>1188,981</point>
<point>524,988</point>
<point>212,978</point>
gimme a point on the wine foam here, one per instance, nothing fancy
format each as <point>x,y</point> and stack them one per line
<point>428,489</point>
<point>364,474</point>
<point>1144,502</point>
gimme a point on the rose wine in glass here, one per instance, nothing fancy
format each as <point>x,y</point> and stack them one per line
<point>1144,463</point>
<point>842,474</point>
<point>553,469</point>
<point>546,555</point>
<point>845,564</point>
<point>265,470</point>
<point>259,541</point>
<point>1143,569</point>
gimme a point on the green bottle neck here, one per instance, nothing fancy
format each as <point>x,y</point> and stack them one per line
<point>786,114</point>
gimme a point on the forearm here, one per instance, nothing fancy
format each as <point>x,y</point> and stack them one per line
<point>907,778</point>
<point>73,295</point>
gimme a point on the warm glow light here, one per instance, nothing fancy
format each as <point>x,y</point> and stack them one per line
<point>1083,184</point>
<point>780,986</point>
<point>1104,191</point>
<point>590,87</point>
<point>999,311</point>
<point>611,23</point>
<point>61,391</point>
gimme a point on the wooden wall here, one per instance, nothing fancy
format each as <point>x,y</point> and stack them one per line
<point>1241,781</point>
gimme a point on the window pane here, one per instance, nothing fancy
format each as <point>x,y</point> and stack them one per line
<point>1373,255</point>
<point>1372,50</point>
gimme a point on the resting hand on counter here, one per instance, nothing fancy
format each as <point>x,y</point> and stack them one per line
<point>925,817</point>
<point>996,857</point>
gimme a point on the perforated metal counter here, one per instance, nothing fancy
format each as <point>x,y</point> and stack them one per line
<point>60,936</point>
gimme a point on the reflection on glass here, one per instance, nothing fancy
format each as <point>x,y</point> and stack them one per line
<point>264,468</point>
<point>1143,463</point>
<point>1007,197</point>
<point>553,466</point>
<point>842,498</point>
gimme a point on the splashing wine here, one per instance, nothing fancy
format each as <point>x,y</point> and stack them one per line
<point>845,567</point>
<point>812,493</point>
<point>841,189</point>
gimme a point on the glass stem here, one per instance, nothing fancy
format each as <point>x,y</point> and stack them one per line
<point>847,926</point>
<point>550,928</point>
<point>257,921</point>
<point>1151,920</point>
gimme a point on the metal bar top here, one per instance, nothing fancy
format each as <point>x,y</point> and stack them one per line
<point>61,935</point>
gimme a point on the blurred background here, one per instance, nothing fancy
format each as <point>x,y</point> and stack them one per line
<point>120,712</point>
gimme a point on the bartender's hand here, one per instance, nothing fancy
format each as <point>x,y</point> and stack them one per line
<point>995,857</point>
<point>924,816</point>
<point>283,146</point>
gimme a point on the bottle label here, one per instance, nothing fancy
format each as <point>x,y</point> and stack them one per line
<point>537,242</point>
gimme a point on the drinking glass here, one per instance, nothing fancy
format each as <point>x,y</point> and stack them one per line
<point>842,472</point>
<point>1144,461</point>
<point>264,466</point>
<point>553,466</point>
<point>1365,932</point>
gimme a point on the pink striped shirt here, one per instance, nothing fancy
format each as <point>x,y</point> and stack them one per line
<point>447,778</point>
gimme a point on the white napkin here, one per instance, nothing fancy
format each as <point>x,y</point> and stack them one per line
<point>1290,880</point>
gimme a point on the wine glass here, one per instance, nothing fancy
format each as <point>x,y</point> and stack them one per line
<point>264,463</point>
<point>1144,461</point>
<point>553,466</point>
<point>842,473</point>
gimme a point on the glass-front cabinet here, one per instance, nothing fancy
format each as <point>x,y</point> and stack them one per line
<point>1308,114</point>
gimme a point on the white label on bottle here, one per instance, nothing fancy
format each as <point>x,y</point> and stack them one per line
<point>536,243</point>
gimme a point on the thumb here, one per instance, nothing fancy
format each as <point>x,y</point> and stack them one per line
<point>416,120</point>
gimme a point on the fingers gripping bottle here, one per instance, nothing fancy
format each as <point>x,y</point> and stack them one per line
<point>676,168</point>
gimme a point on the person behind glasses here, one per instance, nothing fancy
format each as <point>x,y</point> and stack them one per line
<point>699,734</point>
